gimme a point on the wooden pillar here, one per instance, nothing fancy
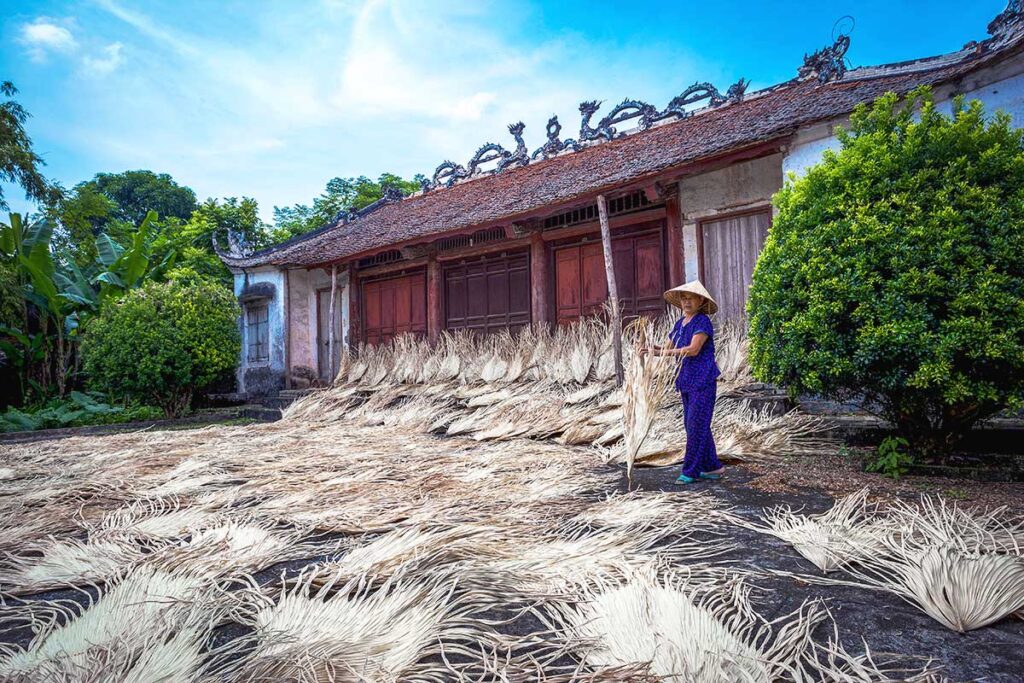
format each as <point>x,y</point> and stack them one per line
<point>286,328</point>
<point>613,290</point>
<point>435,321</point>
<point>331,313</point>
<point>674,238</point>
<point>539,288</point>
<point>355,328</point>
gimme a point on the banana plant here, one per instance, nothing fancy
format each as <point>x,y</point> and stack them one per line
<point>124,268</point>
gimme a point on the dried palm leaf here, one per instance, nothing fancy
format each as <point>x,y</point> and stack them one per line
<point>687,627</point>
<point>341,629</point>
<point>848,531</point>
<point>135,606</point>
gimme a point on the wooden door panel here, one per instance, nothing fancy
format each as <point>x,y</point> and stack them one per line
<point>731,246</point>
<point>568,286</point>
<point>639,263</point>
<point>595,282</point>
<point>394,306</point>
<point>489,294</point>
<point>649,265</point>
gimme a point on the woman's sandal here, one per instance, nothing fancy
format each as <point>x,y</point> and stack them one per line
<point>708,475</point>
<point>683,479</point>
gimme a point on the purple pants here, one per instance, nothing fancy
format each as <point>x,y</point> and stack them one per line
<point>698,407</point>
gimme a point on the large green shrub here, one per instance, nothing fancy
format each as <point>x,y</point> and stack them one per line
<point>894,271</point>
<point>163,344</point>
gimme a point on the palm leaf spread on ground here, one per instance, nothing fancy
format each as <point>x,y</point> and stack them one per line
<point>847,531</point>
<point>559,385</point>
<point>961,566</point>
<point>345,542</point>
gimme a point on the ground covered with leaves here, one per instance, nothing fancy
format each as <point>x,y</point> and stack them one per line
<point>317,549</point>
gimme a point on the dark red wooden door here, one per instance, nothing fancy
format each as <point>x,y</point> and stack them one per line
<point>488,294</point>
<point>394,305</point>
<point>581,283</point>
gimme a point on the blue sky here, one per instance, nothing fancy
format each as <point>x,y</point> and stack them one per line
<point>272,99</point>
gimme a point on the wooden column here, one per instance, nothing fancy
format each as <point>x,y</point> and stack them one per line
<point>435,321</point>
<point>674,237</point>
<point>539,278</point>
<point>331,312</point>
<point>355,327</point>
<point>613,290</point>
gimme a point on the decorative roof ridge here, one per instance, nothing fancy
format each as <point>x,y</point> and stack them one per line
<point>824,65</point>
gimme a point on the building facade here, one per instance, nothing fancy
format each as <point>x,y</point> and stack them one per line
<point>512,238</point>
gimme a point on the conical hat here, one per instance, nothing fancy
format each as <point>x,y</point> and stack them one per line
<point>674,296</point>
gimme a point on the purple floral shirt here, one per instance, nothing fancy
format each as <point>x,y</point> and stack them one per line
<point>696,372</point>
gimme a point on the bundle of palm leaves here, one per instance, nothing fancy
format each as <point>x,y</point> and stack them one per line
<point>544,384</point>
<point>961,566</point>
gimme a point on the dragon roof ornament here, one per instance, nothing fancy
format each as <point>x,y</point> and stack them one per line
<point>449,173</point>
<point>1009,21</point>
<point>828,63</point>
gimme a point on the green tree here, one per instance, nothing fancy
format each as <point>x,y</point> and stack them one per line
<point>894,271</point>
<point>340,194</point>
<point>187,250</point>
<point>136,193</point>
<point>19,164</point>
<point>79,216</point>
<point>163,343</point>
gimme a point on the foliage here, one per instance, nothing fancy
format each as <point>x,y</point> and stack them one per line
<point>135,193</point>
<point>10,294</point>
<point>340,194</point>
<point>894,271</point>
<point>19,164</point>
<point>76,410</point>
<point>188,249</point>
<point>79,217</point>
<point>891,459</point>
<point>163,343</point>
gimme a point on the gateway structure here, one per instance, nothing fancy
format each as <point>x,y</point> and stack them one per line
<point>512,238</point>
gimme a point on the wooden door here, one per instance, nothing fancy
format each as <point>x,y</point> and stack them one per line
<point>731,246</point>
<point>488,294</point>
<point>323,307</point>
<point>581,282</point>
<point>394,306</point>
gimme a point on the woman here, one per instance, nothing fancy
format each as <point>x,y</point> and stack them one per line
<point>692,338</point>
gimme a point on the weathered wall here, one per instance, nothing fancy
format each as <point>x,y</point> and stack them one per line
<point>742,186</point>
<point>306,332</point>
<point>263,377</point>
<point>301,320</point>
<point>999,87</point>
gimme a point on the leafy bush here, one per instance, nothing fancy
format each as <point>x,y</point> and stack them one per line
<point>163,343</point>
<point>894,271</point>
<point>891,459</point>
<point>76,410</point>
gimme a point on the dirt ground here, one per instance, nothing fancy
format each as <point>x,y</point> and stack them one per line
<point>877,620</point>
<point>883,621</point>
<point>838,475</point>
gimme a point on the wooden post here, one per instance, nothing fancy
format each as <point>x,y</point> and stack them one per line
<point>613,291</point>
<point>330,322</point>
<point>434,321</point>
<point>538,279</point>
<point>674,237</point>
<point>286,328</point>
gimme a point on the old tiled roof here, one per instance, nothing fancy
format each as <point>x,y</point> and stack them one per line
<point>769,114</point>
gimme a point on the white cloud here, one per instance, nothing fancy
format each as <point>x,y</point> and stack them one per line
<point>109,58</point>
<point>43,36</point>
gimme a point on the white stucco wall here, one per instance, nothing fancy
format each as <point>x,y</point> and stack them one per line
<point>275,314</point>
<point>739,187</point>
<point>999,88</point>
<point>305,324</point>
